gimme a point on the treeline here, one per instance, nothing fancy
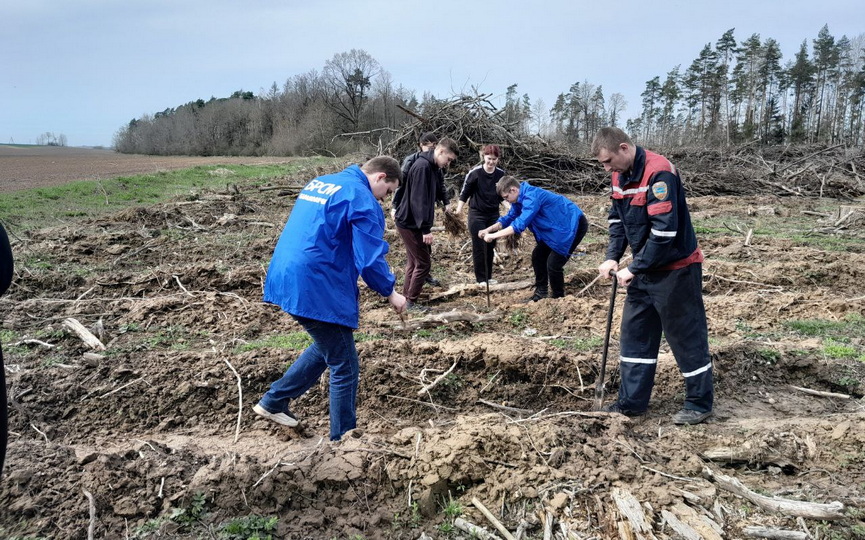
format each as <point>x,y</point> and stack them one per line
<point>742,92</point>
<point>305,116</point>
<point>732,93</point>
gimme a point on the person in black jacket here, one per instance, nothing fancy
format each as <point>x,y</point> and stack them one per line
<point>479,190</point>
<point>427,142</point>
<point>664,280</point>
<point>416,212</point>
<point>5,280</point>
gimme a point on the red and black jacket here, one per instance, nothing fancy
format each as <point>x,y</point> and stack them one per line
<point>649,214</point>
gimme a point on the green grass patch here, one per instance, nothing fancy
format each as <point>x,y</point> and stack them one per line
<point>579,344</point>
<point>39,207</point>
<point>249,527</point>
<point>838,336</point>
<point>294,341</point>
<point>852,325</point>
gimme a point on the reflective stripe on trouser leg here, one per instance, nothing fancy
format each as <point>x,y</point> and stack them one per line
<point>679,299</point>
<point>640,340</point>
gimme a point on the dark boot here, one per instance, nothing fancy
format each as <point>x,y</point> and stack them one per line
<point>540,294</point>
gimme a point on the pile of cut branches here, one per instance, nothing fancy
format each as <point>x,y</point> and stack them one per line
<point>473,122</point>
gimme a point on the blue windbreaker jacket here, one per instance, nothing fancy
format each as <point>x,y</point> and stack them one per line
<point>334,233</point>
<point>551,217</point>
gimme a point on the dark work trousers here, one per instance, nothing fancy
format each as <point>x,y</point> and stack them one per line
<point>670,302</point>
<point>549,266</point>
<point>4,413</point>
<point>480,249</point>
<point>418,262</point>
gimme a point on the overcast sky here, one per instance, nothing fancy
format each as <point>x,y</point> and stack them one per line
<point>85,68</point>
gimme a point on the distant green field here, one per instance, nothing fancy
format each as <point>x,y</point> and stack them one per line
<point>48,206</point>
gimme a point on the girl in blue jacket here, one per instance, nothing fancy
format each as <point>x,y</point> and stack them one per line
<point>557,223</point>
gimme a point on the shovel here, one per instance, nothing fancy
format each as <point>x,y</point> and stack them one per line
<point>599,387</point>
<point>487,272</point>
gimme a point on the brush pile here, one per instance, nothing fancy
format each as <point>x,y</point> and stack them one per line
<point>473,122</point>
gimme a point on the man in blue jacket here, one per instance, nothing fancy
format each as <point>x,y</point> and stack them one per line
<point>333,235</point>
<point>6,267</point>
<point>557,223</point>
<point>649,214</point>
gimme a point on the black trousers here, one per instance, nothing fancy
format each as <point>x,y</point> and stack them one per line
<point>4,414</point>
<point>670,302</point>
<point>482,253</point>
<point>549,266</point>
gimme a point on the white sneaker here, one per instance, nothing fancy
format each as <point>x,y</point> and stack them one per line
<point>285,418</point>
<point>493,282</point>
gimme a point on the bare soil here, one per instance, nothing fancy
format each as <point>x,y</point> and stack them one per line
<point>25,167</point>
<point>174,291</point>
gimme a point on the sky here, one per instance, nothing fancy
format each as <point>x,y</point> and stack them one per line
<point>85,68</point>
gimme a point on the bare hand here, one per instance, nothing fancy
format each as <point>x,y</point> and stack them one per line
<point>397,301</point>
<point>624,276</point>
<point>608,266</point>
<point>428,239</point>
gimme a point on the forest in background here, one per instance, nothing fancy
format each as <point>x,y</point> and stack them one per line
<point>732,93</point>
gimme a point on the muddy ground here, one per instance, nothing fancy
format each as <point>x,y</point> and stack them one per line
<point>149,426</point>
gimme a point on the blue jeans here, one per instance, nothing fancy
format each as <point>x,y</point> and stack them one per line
<point>332,347</point>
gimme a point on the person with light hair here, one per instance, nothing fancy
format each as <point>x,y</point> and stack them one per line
<point>664,279</point>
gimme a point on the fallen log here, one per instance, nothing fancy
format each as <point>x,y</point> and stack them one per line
<point>446,317</point>
<point>629,507</point>
<point>460,289</point>
<point>788,507</point>
<point>728,454</point>
<point>474,530</point>
<point>691,524</point>
<point>775,534</point>
<point>83,333</point>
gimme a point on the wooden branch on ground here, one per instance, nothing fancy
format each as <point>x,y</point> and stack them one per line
<point>514,410</point>
<point>584,289</point>
<point>629,507</point>
<point>691,525</point>
<point>139,379</point>
<point>446,317</point>
<point>471,528</point>
<point>91,529</point>
<point>32,342</point>
<point>788,507</point>
<point>83,333</point>
<point>437,380</point>
<point>489,515</point>
<point>239,399</point>
<point>820,393</point>
<point>461,288</point>
<point>775,534</point>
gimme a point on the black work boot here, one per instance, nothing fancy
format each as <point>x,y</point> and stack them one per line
<point>540,294</point>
